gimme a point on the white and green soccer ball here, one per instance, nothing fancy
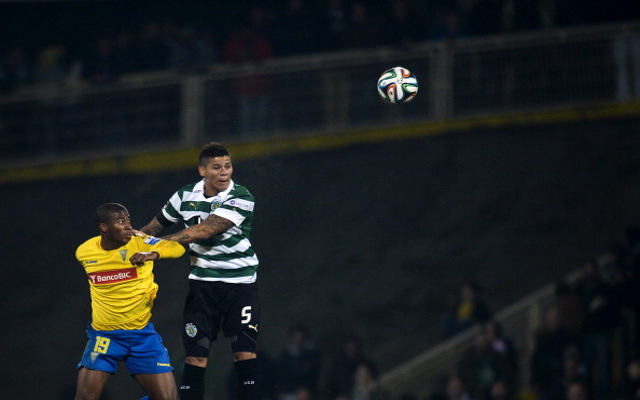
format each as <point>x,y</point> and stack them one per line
<point>397,85</point>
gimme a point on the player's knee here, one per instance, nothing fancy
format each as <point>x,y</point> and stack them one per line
<point>245,341</point>
<point>199,349</point>
<point>197,361</point>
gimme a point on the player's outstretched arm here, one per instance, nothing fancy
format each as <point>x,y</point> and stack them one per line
<point>211,226</point>
<point>153,228</point>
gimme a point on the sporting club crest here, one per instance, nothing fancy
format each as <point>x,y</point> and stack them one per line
<point>216,202</point>
<point>191,329</point>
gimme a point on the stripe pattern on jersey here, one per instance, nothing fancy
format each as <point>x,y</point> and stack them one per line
<point>229,256</point>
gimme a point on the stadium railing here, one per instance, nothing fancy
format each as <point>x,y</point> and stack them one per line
<point>323,93</point>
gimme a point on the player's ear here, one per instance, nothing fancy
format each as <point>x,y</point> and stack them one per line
<point>201,170</point>
<point>103,227</point>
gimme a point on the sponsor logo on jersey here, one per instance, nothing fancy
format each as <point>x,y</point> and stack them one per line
<point>115,276</point>
<point>191,329</point>
<point>240,204</point>
<point>254,327</point>
<point>151,240</point>
<point>90,261</point>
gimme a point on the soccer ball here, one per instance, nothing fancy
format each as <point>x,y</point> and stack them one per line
<point>397,85</point>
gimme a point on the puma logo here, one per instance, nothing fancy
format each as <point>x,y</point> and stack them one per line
<point>255,328</point>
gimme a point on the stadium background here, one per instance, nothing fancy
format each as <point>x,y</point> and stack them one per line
<point>371,238</point>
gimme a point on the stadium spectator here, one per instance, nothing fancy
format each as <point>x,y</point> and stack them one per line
<point>522,15</point>
<point>602,316</point>
<point>341,372</point>
<point>481,366</point>
<point>190,53</point>
<point>468,309</point>
<point>485,17</point>
<point>299,364</point>
<point>334,22</point>
<point>500,342</point>
<point>366,385</point>
<point>455,389</point>
<point>298,30</point>
<point>362,28</point>
<point>501,391</point>
<point>546,363</point>
<point>127,56</point>
<point>439,387</point>
<point>448,26</point>
<point>629,386</point>
<point>15,71</point>
<point>152,47</point>
<point>578,390</point>
<point>102,65</point>
<point>247,47</point>
<point>573,369</point>
<point>406,25</point>
<point>571,312</point>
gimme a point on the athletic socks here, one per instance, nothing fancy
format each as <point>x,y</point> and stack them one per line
<point>192,385</point>
<point>247,379</point>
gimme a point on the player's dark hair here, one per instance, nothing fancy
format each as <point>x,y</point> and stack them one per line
<point>104,213</point>
<point>212,150</point>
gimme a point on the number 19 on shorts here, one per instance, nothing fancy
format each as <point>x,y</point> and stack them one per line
<point>102,345</point>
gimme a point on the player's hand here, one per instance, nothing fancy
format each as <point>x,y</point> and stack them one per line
<point>142,257</point>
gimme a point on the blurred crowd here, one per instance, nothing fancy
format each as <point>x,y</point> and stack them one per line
<point>283,28</point>
<point>587,346</point>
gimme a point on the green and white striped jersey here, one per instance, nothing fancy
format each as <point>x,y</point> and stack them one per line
<point>229,256</point>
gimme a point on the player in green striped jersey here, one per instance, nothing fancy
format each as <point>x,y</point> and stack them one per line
<point>223,294</point>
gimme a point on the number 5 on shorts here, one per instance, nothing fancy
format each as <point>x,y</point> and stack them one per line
<point>102,345</point>
<point>246,315</point>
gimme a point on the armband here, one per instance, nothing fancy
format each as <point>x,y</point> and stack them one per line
<point>163,220</point>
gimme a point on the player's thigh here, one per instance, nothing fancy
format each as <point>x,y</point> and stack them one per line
<point>242,318</point>
<point>91,383</point>
<point>201,313</point>
<point>202,317</point>
<point>158,386</point>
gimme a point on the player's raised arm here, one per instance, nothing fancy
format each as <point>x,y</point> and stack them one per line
<point>153,228</point>
<point>211,226</point>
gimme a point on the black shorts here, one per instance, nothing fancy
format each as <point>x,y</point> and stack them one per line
<point>214,306</point>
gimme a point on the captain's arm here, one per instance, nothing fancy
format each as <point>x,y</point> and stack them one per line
<point>156,225</point>
<point>211,226</point>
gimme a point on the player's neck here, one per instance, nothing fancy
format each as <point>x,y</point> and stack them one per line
<point>107,244</point>
<point>210,193</point>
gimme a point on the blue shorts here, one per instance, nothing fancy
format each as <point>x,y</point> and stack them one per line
<point>141,350</point>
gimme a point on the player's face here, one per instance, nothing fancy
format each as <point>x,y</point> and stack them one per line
<point>217,174</point>
<point>118,230</point>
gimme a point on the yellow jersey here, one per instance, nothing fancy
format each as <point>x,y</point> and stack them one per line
<point>122,294</point>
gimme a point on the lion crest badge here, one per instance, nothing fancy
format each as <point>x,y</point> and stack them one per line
<point>191,330</point>
<point>216,202</point>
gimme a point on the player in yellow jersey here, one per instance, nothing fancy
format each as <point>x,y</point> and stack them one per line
<point>119,268</point>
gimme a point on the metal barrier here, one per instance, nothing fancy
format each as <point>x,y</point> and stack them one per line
<point>324,93</point>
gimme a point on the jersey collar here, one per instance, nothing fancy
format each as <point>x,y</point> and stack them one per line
<point>199,187</point>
